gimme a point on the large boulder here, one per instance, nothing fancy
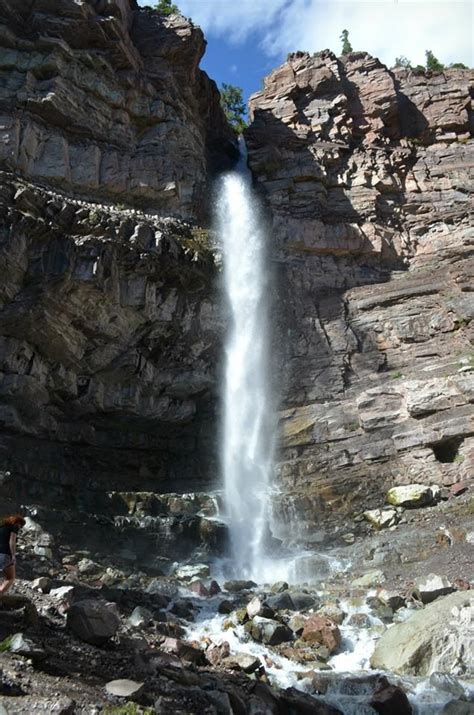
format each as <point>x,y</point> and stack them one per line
<point>413,495</point>
<point>436,638</point>
<point>321,629</point>
<point>266,630</point>
<point>93,621</point>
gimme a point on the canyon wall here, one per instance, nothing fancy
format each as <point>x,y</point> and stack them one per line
<point>111,321</point>
<point>367,175</point>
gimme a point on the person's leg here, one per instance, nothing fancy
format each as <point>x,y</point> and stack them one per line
<point>9,574</point>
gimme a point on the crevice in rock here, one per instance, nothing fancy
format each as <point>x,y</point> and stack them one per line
<point>447,450</point>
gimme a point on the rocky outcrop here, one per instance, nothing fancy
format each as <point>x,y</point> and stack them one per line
<point>105,99</point>
<point>366,174</point>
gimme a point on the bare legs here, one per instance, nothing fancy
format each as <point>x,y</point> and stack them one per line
<point>9,574</point>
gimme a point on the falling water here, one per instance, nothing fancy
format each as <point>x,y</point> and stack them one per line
<point>248,438</point>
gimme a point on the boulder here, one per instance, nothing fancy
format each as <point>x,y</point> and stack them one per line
<point>382,518</point>
<point>321,629</point>
<point>192,571</point>
<point>266,630</point>
<point>124,688</point>
<point>371,578</point>
<point>93,621</point>
<point>236,585</point>
<point>21,645</point>
<point>242,661</point>
<point>140,617</point>
<point>413,495</point>
<point>258,607</point>
<point>435,638</point>
<point>428,588</point>
<point>390,699</point>
<point>215,654</point>
<point>199,588</point>
<point>183,650</point>
<point>281,600</point>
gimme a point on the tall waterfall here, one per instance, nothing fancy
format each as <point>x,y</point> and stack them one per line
<point>248,439</point>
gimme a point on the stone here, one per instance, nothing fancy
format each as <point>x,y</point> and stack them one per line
<point>124,688</point>
<point>382,518</point>
<point>242,661</point>
<point>87,566</point>
<point>183,650</point>
<point>390,699</point>
<point>430,587</point>
<point>214,588</point>
<point>372,578</point>
<point>333,612</point>
<point>413,495</point>
<point>93,621</point>
<point>225,607</point>
<point>321,629</point>
<point>432,639</point>
<point>238,585</point>
<point>391,598</point>
<point>215,654</point>
<point>22,645</point>
<point>447,683</point>
<point>303,601</point>
<point>140,617</point>
<point>192,571</point>
<point>259,607</point>
<point>279,587</point>
<point>43,584</point>
<point>268,631</point>
<point>282,600</point>
<point>199,588</point>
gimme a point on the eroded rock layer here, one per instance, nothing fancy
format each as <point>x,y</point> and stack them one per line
<point>367,174</point>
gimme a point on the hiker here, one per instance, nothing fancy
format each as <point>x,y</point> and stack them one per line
<point>9,528</point>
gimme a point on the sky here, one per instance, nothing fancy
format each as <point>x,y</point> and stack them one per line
<point>248,38</point>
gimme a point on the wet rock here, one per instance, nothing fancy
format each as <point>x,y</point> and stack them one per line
<point>302,601</point>
<point>320,629</point>
<point>279,587</point>
<point>380,609</point>
<point>372,578</point>
<point>447,683</point>
<point>216,653</point>
<point>258,607</point>
<point>281,601</point>
<point>87,566</point>
<point>358,620</point>
<point>242,661</point>
<point>413,495</point>
<point>238,585</point>
<point>333,612</point>
<point>225,607</point>
<point>93,621</point>
<point>192,571</point>
<point>430,587</point>
<point>382,518</point>
<point>457,707</point>
<point>391,598</point>
<point>140,617</point>
<point>183,650</point>
<point>390,699</point>
<point>214,588</point>
<point>162,587</point>
<point>303,704</point>
<point>124,688</point>
<point>434,638</point>
<point>199,588</point>
<point>266,630</point>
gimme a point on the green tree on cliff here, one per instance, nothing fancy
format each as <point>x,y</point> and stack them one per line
<point>346,45</point>
<point>402,61</point>
<point>166,7</point>
<point>233,106</point>
<point>432,63</point>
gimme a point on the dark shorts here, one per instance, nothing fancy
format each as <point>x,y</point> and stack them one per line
<point>5,561</point>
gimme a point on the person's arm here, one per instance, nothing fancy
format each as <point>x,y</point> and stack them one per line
<point>13,545</point>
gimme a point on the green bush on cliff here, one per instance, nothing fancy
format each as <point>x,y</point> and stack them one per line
<point>432,63</point>
<point>166,7</point>
<point>233,106</point>
<point>346,45</point>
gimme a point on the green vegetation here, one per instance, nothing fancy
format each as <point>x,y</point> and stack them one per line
<point>402,61</point>
<point>432,63</point>
<point>166,7</point>
<point>233,106</point>
<point>396,375</point>
<point>5,644</point>
<point>457,66</point>
<point>459,458</point>
<point>346,45</point>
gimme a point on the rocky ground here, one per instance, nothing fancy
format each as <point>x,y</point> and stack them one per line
<point>184,643</point>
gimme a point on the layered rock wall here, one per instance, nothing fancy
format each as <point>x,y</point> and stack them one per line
<point>367,175</point>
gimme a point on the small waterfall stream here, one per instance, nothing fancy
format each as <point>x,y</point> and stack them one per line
<point>249,414</point>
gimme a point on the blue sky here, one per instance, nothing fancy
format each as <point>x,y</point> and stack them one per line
<point>248,38</point>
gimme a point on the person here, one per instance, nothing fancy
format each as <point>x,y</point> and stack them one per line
<point>9,528</point>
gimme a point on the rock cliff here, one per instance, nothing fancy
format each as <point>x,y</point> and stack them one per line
<point>367,175</point>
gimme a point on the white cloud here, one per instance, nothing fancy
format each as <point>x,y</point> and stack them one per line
<point>385,28</point>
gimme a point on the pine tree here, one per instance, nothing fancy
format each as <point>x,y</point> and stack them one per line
<point>233,106</point>
<point>346,45</point>
<point>166,7</point>
<point>432,63</point>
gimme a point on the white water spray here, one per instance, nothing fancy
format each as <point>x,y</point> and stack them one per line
<point>249,424</point>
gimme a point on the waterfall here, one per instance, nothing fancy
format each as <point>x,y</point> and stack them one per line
<point>249,423</point>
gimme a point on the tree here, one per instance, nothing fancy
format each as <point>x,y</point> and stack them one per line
<point>166,7</point>
<point>457,66</point>
<point>346,45</point>
<point>433,64</point>
<point>233,106</point>
<point>402,61</point>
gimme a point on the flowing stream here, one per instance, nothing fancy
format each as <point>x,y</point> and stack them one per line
<point>249,422</point>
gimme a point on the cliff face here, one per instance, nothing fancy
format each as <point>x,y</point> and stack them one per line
<point>367,175</point>
<point>105,99</point>
<point>110,328</point>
